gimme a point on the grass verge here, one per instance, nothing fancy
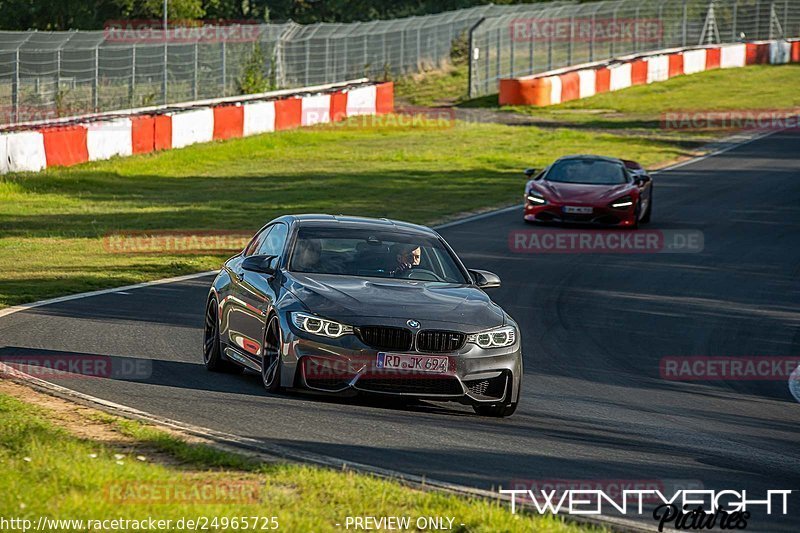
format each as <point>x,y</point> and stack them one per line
<point>55,225</point>
<point>135,472</point>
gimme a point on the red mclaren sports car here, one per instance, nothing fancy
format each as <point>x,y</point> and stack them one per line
<point>590,189</point>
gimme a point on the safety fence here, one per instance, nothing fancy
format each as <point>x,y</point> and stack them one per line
<point>130,64</point>
<point>514,45</point>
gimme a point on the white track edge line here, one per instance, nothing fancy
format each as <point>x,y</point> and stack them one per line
<point>274,450</point>
<point>471,218</point>
<point>633,526</point>
<point>24,307</point>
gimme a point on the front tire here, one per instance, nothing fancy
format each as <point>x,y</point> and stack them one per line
<point>271,363</point>
<point>212,352</point>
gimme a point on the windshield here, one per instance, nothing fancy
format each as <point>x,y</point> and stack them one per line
<point>587,171</point>
<point>373,253</point>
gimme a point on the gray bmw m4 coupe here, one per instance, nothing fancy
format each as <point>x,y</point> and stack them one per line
<point>347,305</point>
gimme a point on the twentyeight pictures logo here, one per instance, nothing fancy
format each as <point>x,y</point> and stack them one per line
<point>683,509</point>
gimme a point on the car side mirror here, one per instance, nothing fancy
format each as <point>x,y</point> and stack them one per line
<point>263,264</point>
<point>531,172</point>
<point>641,179</point>
<point>485,279</point>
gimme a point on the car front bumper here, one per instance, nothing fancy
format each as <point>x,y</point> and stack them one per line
<point>346,367</point>
<point>600,215</point>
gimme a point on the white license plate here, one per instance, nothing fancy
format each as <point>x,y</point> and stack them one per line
<point>413,363</point>
<point>578,210</point>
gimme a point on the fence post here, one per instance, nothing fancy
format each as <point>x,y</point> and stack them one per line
<point>196,68</point>
<point>512,53</point>
<point>530,50</point>
<point>95,85</point>
<point>346,40</point>
<point>785,19</point>
<point>472,59</point>
<point>402,51</point>
<point>499,49</point>
<point>132,83</point>
<point>571,37</point>
<point>15,87</point>
<point>165,77</point>
<point>734,34</point>
<point>224,67</point>
<point>58,78</point>
<point>683,41</point>
<point>758,19</point>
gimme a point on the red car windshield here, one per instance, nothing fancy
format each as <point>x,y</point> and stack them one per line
<point>587,171</point>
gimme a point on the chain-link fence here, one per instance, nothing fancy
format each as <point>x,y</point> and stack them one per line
<point>44,75</point>
<point>513,45</point>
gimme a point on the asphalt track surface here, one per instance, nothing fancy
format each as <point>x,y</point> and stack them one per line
<point>594,328</point>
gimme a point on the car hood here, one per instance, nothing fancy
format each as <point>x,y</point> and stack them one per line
<point>579,193</point>
<point>350,298</point>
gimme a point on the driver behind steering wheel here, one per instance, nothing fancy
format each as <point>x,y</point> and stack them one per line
<point>408,256</point>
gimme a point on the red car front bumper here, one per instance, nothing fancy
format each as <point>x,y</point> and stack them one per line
<point>600,215</point>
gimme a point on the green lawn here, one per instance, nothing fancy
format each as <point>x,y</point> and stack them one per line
<point>53,224</point>
<point>49,472</point>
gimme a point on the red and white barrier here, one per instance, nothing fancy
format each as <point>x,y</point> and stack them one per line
<point>361,101</point>
<point>657,68</point>
<point>586,80</point>
<point>25,151</point>
<point>316,110</point>
<point>620,76</point>
<point>65,144</point>
<point>732,56</point>
<point>259,117</point>
<point>694,61</point>
<point>107,139</point>
<point>780,52</point>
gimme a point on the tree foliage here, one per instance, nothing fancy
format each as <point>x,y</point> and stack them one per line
<point>93,14</point>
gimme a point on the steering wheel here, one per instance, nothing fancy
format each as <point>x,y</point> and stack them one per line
<point>420,274</point>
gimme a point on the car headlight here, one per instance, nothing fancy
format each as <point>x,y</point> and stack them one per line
<point>320,326</point>
<point>494,338</point>
<point>622,203</point>
<point>536,198</point>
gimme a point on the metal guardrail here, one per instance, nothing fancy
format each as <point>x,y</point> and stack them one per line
<point>513,45</point>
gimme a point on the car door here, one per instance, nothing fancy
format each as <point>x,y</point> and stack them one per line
<point>254,294</point>
<point>233,308</point>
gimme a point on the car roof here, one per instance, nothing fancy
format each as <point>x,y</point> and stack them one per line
<point>590,156</point>
<point>332,221</point>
